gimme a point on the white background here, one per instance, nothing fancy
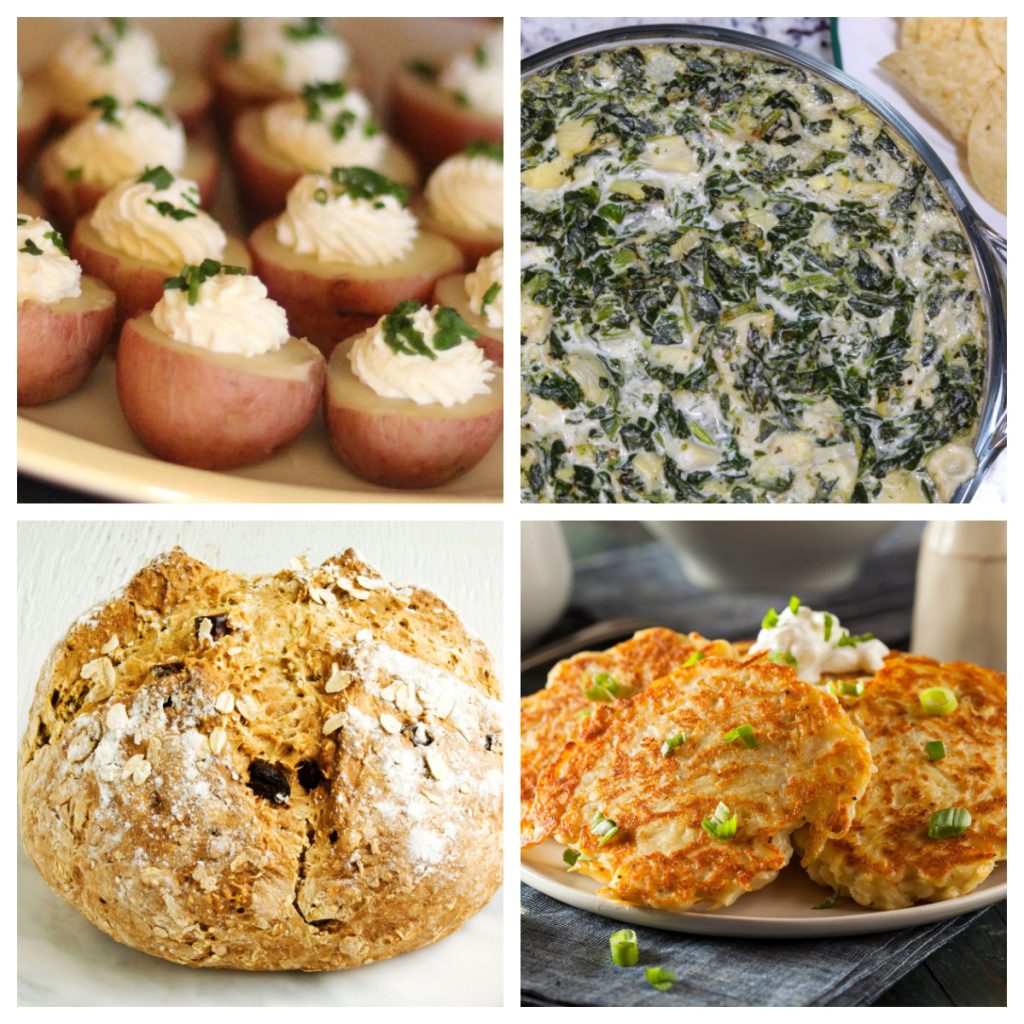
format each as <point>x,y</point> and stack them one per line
<point>64,568</point>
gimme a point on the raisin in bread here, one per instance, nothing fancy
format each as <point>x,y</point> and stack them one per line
<point>299,771</point>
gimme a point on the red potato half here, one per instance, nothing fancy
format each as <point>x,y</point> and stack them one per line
<point>69,200</point>
<point>432,124</point>
<point>139,284</point>
<point>473,245</point>
<point>29,204</point>
<point>59,343</point>
<point>327,301</point>
<point>451,291</point>
<point>265,177</point>
<point>235,90</point>
<point>211,410</point>
<point>34,116</point>
<point>397,443</point>
<point>189,99</point>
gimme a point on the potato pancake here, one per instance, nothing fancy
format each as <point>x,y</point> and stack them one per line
<point>887,860</point>
<point>639,791</point>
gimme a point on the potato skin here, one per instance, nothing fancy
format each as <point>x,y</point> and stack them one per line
<point>189,408</point>
<point>34,117</point>
<point>473,245</point>
<point>59,344</point>
<point>139,284</point>
<point>69,200</point>
<point>329,301</point>
<point>393,442</point>
<point>432,124</point>
<point>265,177</point>
<point>28,204</point>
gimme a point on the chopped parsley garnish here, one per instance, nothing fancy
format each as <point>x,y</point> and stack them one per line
<point>306,28</point>
<point>152,108</point>
<point>480,56</point>
<point>166,209</point>
<point>402,336</point>
<point>22,221</point>
<point>314,93</point>
<point>56,241</point>
<point>159,177</point>
<point>73,174</point>
<point>232,47</point>
<point>108,107</point>
<point>480,147</point>
<point>424,69</point>
<point>365,183</point>
<point>192,277</point>
<point>31,248</point>
<point>461,99</point>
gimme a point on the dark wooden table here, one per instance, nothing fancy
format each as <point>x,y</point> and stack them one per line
<point>34,490</point>
<point>619,572</point>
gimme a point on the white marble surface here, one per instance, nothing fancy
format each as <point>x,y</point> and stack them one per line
<point>66,567</point>
<point>811,35</point>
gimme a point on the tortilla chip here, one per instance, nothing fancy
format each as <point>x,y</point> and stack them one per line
<point>939,30</point>
<point>993,34</point>
<point>950,79</point>
<point>910,32</point>
<point>986,145</point>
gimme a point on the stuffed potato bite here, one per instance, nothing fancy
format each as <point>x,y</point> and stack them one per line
<point>454,291</point>
<point>34,116</point>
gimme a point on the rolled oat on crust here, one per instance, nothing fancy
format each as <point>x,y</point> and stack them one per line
<point>298,771</point>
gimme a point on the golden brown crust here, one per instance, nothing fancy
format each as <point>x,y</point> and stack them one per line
<point>886,860</point>
<point>548,718</point>
<point>311,782</point>
<point>808,765</point>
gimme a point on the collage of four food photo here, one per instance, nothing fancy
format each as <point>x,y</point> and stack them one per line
<point>309,574</point>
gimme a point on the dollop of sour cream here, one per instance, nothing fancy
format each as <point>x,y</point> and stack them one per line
<point>453,377</point>
<point>284,53</point>
<point>330,133</point>
<point>324,221</point>
<point>819,644</point>
<point>103,149</point>
<point>45,271</point>
<point>162,225</point>
<point>475,78</point>
<point>480,284</point>
<point>118,59</point>
<point>465,192</point>
<point>232,314</point>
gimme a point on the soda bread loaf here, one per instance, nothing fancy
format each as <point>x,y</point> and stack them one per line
<point>299,771</point>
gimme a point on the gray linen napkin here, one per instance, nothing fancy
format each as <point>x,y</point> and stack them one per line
<point>566,961</point>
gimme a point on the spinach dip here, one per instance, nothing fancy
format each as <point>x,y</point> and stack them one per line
<point>738,284</point>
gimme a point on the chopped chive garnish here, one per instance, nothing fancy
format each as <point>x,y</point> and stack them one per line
<point>936,750</point>
<point>828,627</point>
<point>831,901</point>
<point>424,69</point>
<point>723,824</point>
<point>31,248</point>
<point>625,949</point>
<point>490,295</point>
<point>192,276</point>
<point>794,604</point>
<point>73,174</point>
<point>852,641</point>
<point>693,659</point>
<point>56,241</point>
<point>671,742</point>
<point>948,823</point>
<point>660,978</point>
<point>770,620</point>
<point>741,732</point>
<point>492,150</point>
<point>937,700</point>
<point>603,827</point>
<point>159,177</point>
<point>782,658</point>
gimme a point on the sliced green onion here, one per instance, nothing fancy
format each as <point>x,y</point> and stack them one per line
<point>770,620</point>
<point>852,641</point>
<point>625,950</point>
<point>570,856</point>
<point>694,658</point>
<point>794,604</point>
<point>723,824</point>
<point>949,822</point>
<point>828,627</point>
<point>660,978</point>
<point>671,742</point>
<point>602,689</point>
<point>848,689</point>
<point>584,712</point>
<point>603,827</point>
<point>831,901</point>
<point>782,658</point>
<point>742,732</point>
<point>936,750</point>
<point>937,700</point>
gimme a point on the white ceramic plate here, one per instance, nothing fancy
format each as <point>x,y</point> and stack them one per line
<point>781,910</point>
<point>863,42</point>
<point>82,441</point>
